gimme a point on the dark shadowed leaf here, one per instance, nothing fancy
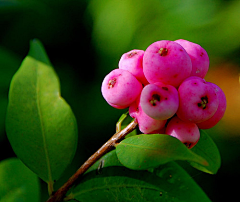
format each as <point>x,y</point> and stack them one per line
<point>9,63</point>
<point>114,182</point>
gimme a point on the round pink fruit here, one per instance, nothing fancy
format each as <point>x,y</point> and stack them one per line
<point>197,100</point>
<point>167,62</point>
<point>116,106</point>
<point>159,101</point>
<point>117,88</point>
<point>132,61</point>
<point>209,123</point>
<point>146,124</point>
<point>188,133</point>
<point>199,57</point>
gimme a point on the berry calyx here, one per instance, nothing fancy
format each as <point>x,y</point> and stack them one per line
<point>111,83</point>
<point>203,103</point>
<point>163,51</point>
<point>155,99</point>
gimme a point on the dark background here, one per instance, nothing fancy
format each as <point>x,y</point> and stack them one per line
<point>84,40</point>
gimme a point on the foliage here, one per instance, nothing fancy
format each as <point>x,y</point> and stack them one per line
<point>112,182</point>
<point>93,34</point>
<point>17,182</point>
<point>40,124</point>
<point>43,133</point>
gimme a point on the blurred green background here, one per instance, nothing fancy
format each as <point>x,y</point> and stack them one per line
<point>85,39</point>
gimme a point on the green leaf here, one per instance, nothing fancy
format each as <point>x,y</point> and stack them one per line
<point>17,182</point>
<point>207,149</point>
<point>142,152</point>
<point>114,183</point>
<point>123,121</point>
<point>40,125</point>
<point>36,51</point>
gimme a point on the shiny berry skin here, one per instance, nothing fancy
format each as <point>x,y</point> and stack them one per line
<point>146,124</point>
<point>209,123</point>
<point>167,62</point>
<point>188,133</point>
<point>197,100</point>
<point>159,101</point>
<point>117,88</point>
<point>199,57</point>
<point>132,62</point>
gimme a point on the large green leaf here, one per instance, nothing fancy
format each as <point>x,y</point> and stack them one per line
<point>114,182</point>
<point>207,149</point>
<point>148,151</point>
<point>40,125</point>
<point>17,182</point>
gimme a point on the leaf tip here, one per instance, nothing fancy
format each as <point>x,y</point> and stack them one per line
<point>34,43</point>
<point>38,52</point>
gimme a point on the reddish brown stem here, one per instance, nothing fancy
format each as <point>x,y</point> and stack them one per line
<point>60,194</point>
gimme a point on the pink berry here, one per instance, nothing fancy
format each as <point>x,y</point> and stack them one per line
<point>193,77</point>
<point>146,124</point>
<point>159,101</point>
<point>197,100</point>
<point>199,57</point>
<point>116,106</point>
<point>167,62</point>
<point>117,88</point>
<point>209,123</point>
<point>132,61</point>
<point>188,133</point>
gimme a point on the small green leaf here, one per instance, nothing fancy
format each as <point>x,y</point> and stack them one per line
<point>168,182</point>
<point>40,125</point>
<point>17,182</point>
<point>123,121</point>
<point>122,118</point>
<point>148,151</point>
<point>120,121</point>
<point>207,149</point>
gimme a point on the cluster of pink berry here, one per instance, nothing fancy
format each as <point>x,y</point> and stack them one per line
<point>165,90</point>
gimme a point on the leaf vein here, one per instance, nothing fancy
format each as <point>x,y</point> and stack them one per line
<point>42,129</point>
<point>115,187</point>
<point>140,146</point>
